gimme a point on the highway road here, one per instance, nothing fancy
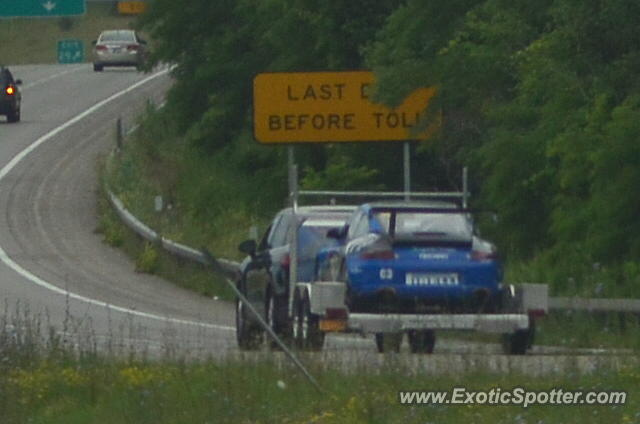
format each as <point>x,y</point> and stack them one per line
<point>54,264</point>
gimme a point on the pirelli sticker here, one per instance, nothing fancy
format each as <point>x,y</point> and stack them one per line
<point>316,107</point>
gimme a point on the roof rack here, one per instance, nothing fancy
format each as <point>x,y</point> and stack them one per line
<point>295,193</point>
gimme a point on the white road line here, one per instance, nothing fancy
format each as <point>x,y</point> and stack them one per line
<point>49,78</point>
<point>42,283</point>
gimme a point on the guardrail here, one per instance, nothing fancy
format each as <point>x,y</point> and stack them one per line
<point>232,268</point>
<point>225,266</point>
<point>594,305</point>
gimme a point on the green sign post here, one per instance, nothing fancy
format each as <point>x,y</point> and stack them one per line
<point>70,51</point>
<point>40,8</point>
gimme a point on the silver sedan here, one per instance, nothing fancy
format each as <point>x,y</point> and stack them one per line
<point>119,47</point>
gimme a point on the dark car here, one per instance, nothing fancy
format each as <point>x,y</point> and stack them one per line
<point>265,271</point>
<point>10,97</point>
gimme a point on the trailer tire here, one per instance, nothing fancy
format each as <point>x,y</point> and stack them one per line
<point>518,342</point>
<point>388,342</point>
<point>296,325</point>
<point>421,341</point>
<point>311,336</point>
<point>249,337</point>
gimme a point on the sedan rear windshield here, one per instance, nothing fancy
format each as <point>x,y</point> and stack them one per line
<point>424,223</point>
<point>118,36</point>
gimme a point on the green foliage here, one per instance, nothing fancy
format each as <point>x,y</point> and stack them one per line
<point>338,175</point>
<point>147,261</point>
<point>539,99</point>
<point>542,100</point>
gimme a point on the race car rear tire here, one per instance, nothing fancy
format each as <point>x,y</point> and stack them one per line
<point>421,341</point>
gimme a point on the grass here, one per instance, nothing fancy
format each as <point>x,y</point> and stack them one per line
<point>152,259</point>
<point>34,41</point>
<point>152,164</point>
<point>121,392</point>
<point>48,379</point>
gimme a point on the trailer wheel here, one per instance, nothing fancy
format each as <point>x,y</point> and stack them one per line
<point>296,326</point>
<point>312,337</point>
<point>249,337</point>
<point>422,341</point>
<point>518,342</point>
<point>388,342</point>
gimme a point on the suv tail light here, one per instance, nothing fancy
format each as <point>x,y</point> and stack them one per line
<point>285,261</point>
<point>10,90</point>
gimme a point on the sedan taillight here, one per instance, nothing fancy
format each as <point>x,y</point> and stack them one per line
<point>133,47</point>
<point>101,48</point>
<point>10,90</point>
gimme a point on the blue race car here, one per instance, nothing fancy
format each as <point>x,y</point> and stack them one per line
<point>412,257</point>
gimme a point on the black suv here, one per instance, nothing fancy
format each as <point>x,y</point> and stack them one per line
<point>265,271</point>
<point>10,96</point>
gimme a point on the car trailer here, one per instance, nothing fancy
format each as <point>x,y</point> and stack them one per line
<point>320,307</point>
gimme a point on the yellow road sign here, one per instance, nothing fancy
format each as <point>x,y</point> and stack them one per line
<point>131,7</point>
<point>312,107</point>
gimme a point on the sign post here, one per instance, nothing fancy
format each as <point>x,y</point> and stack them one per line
<point>407,169</point>
<point>40,8</point>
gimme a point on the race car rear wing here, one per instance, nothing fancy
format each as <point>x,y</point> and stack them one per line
<point>295,194</point>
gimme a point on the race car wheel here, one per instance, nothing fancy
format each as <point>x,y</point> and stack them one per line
<point>248,335</point>
<point>388,342</point>
<point>421,341</point>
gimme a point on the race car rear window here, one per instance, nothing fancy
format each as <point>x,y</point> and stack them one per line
<point>416,224</point>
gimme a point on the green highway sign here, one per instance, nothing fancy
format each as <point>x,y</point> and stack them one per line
<point>40,8</point>
<point>70,51</point>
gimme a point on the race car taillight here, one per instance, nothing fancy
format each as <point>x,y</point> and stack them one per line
<point>478,255</point>
<point>10,90</point>
<point>384,254</point>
